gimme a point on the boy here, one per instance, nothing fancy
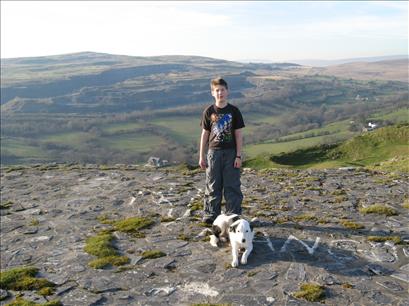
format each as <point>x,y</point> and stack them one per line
<point>221,132</point>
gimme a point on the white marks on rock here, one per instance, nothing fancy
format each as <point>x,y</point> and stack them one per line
<point>164,291</point>
<point>270,245</point>
<point>199,288</point>
<point>310,250</point>
<point>133,199</point>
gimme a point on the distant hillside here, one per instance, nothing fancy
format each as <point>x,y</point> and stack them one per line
<point>103,108</point>
<point>382,70</point>
<point>323,63</point>
<point>386,148</point>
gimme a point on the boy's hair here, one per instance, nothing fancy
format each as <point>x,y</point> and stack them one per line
<point>218,81</point>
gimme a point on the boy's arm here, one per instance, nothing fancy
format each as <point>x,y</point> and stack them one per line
<point>204,139</point>
<point>239,144</point>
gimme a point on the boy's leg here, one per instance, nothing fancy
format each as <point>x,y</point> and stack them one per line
<point>231,183</point>
<point>213,191</point>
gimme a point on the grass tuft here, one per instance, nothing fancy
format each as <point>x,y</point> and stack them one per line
<point>351,225</point>
<point>132,225</point>
<point>310,292</point>
<point>378,209</point>
<point>395,239</point>
<point>19,301</point>
<point>6,205</point>
<point>152,254</point>
<point>103,262</point>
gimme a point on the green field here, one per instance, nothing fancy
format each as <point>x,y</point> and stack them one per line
<point>132,142</point>
<point>21,148</point>
<point>385,149</point>
<point>184,130</point>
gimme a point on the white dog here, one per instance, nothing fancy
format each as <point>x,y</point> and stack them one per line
<point>241,237</point>
<point>220,228</point>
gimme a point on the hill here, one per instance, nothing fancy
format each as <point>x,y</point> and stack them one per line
<point>386,148</point>
<point>380,70</point>
<point>103,108</point>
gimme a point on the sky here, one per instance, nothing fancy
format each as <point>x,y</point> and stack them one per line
<point>231,30</point>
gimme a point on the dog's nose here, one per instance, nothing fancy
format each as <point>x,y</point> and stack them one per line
<point>244,240</point>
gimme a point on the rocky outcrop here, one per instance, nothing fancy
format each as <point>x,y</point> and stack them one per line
<point>300,236</point>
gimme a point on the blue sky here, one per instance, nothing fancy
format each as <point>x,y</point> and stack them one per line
<point>233,30</point>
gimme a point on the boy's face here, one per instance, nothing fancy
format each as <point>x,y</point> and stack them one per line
<point>219,93</point>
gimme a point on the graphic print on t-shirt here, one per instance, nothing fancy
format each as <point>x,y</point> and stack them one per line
<point>221,127</point>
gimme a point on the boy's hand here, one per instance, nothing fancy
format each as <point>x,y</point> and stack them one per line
<point>237,162</point>
<point>202,163</point>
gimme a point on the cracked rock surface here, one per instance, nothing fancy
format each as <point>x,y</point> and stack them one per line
<point>299,237</point>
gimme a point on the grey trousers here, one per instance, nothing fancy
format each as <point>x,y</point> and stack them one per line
<point>222,178</point>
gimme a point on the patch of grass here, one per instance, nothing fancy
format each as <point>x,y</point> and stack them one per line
<point>182,236</point>
<point>305,217</point>
<point>378,209</point>
<point>19,301</point>
<point>311,292</point>
<point>152,254</point>
<point>104,219</point>
<point>132,225</point>
<point>167,219</point>
<point>351,225</point>
<point>46,291</point>
<point>100,245</point>
<point>211,305</point>
<point>34,222</point>
<point>196,205</point>
<point>395,239</point>
<point>23,278</point>
<point>6,205</point>
<point>103,262</point>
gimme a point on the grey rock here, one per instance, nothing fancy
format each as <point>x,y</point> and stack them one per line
<point>80,297</point>
<point>379,298</point>
<point>295,272</point>
<point>4,294</point>
<point>391,285</point>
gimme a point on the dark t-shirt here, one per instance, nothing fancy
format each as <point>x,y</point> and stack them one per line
<point>221,123</point>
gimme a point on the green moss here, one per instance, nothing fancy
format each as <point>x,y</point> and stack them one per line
<point>406,204</point>
<point>103,262</point>
<point>10,277</point>
<point>34,222</point>
<point>305,217</point>
<point>395,239</point>
<point>167,219</point>
<point>104,219</point>
<point>378,209</point>
<point>132,225</point>
<point>310,292</point>
<point>22,302</point>
<point>211,304</point>
<point>351,225</point>
<point>100,245</point>
<point>182,236</point>
<point>251,273</point>
<point>152,254</point>
<point>23,278</point>
<point>46,291</point>
<point>196,205</point>
<point>6,205</point>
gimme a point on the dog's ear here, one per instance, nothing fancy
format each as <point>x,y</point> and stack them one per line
<point>251,227</point>
<point>235,219</point>
<point>216,230</point>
